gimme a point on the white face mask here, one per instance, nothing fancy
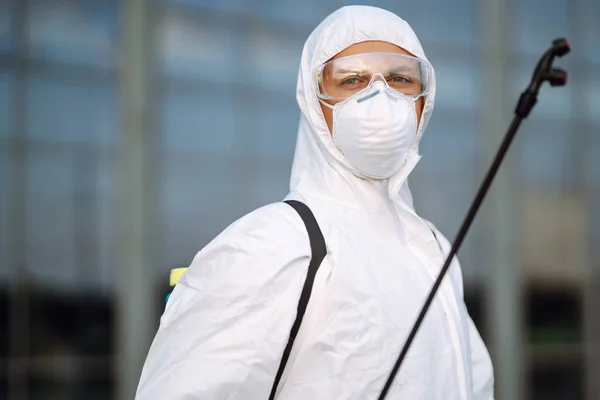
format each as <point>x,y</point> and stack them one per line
<point>375,129</point>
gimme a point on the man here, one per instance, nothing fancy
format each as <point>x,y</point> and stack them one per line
<point>366,92</point>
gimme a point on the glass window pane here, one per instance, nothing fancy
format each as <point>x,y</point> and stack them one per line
<point>535,23</point>
<point>277,119</point>
<point>196,46</point>
<point>545,152</point>
<point>274,59</point>
<point>5,201</point>
<point>50,218</point>
<point>82,32</point>
<point>452,142</point>
<point>592,98</point>
<point>441,21</point>
<point>594,234</point>
<point>86,213</point>
<point>594,157</point>
<point>247,174</point>
<point>199,121</point>
<point>591,16</point>
<point>5,103</point>
<point>198,196</point>
<point>594,193</point>
<point>310,12</point>
<point>106,246</point>
<point>272,180</point>
<point>247,6</point>
<point>6,27</point>
<point>72,112</point>
<point>458,82</point>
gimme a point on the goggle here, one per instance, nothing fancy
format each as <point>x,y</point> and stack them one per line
<point>343,77</point>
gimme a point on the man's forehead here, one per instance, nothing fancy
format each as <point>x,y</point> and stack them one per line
<point>374,60</point>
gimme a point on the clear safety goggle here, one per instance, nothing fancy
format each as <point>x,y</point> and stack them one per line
<point>343,77</point>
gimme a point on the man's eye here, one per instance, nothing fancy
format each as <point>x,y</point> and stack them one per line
<point>350,81</point>
<point>399,79</point>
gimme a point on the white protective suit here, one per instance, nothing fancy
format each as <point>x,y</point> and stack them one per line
<point>227,322</point>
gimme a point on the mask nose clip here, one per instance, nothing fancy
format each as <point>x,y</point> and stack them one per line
<point>373,84</point>
<point>375,75</point>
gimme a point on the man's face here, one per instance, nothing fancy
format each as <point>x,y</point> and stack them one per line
<point>368,47</point>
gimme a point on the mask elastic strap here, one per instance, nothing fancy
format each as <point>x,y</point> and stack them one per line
<point>325,103</point>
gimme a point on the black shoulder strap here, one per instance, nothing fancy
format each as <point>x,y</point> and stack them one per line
<point>319,250</point>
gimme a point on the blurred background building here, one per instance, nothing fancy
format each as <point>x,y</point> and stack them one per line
<point>133,132</point>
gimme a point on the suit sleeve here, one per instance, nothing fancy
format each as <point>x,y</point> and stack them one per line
<point>228,320</point>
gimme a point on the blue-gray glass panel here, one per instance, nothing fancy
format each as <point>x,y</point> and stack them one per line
<point>78,32</point>
<point>51,218</point>
<point>200,121</point>
<point>71,111</point>
<point>6,85</point>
